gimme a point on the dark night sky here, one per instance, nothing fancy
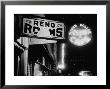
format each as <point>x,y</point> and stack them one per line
<point>91,21</point>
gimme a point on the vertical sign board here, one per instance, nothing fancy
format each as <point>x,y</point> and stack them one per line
<point>43,28</point>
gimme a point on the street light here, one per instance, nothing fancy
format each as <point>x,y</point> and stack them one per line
<point>80,35</point>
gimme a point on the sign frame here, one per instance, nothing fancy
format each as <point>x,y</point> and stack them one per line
<point>42,34</point>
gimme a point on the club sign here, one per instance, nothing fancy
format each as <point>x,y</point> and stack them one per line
<point>43,28</point>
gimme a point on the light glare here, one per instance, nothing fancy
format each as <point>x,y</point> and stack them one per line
<point>85,73</point>
<point>80,35</point>
<point>61,65</point>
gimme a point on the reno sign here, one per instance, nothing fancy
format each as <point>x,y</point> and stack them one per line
<point>43,28</point>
